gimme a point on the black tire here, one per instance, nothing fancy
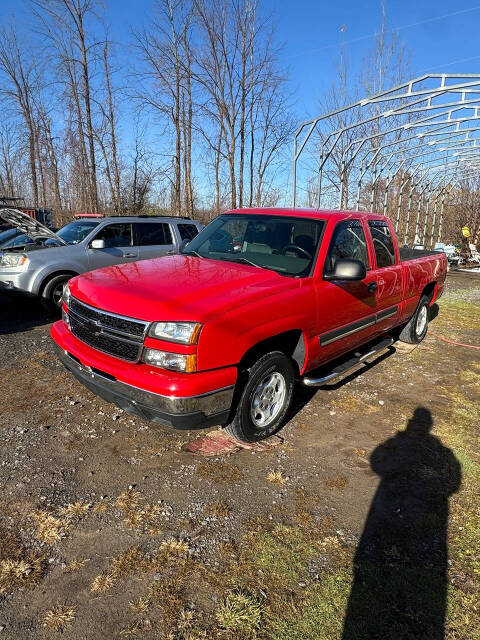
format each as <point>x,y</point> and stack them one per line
<point>416,328</point>
<point>53,291</point>
<point>276,371</point>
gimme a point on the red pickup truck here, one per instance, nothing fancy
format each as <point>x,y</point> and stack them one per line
<point>219,334</point>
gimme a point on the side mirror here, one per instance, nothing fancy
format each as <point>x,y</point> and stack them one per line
<point>97,244</point>
<point>347,270</point>
<point>183,245</point>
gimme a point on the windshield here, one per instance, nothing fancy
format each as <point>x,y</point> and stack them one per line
<point>74,232</point>
<point>282,244</point>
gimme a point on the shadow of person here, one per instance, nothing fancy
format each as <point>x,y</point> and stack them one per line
<point>400,566</point>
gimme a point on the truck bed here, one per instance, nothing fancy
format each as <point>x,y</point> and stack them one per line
<point>410,254</point>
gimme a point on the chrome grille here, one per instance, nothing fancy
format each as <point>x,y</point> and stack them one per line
<point>118,336</point>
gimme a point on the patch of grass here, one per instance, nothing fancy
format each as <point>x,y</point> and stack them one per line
<point>75,510</point>
<point>219,509</point>
<point>102,583</point>
<point>49,528</point>
<point>18,573</point>
<point>76,565</point>
<point>139,514</point>
<point>348,402</point>
<point>219,471</point>
<point>276,477</point>
<point>240,612</point>
<point>128,562</point>
<point>335,482</point>
<point>58,618</point>
<point>176,548</point>
<point>320,615</point>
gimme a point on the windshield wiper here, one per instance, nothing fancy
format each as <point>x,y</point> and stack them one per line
<point>253,264</point>
<point>246,261</point>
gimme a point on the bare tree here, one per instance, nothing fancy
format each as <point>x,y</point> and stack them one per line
<point>165,85</point>
<point>21,81</point>
<point>65,22</point>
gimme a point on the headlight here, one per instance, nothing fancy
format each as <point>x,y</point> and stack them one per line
<point>66,294</point>
<point>172,361</point>
<point>13,260</point>
<point>184,332</point>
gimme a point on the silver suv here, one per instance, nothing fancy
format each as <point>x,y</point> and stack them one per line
<point>84,245</point>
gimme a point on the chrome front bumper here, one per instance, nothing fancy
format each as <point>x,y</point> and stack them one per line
<point>191,412</point>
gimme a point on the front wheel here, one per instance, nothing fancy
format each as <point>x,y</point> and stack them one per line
<point>265,398</point>
<point>53,292</point>
<point>416,328</point>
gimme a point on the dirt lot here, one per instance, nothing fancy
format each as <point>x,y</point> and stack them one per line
<point>109,528</point>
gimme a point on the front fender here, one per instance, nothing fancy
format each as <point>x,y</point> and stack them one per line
<point>45,272</point>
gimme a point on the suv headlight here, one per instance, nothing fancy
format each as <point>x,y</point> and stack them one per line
<point>14,260</point>
<point>172,361</point>
<point>183,332</point>
<point>66,294</point>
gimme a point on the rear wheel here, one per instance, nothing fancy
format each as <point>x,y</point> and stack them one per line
<point>53,292</point>
<point>416,328</point>
<point>265,398</point>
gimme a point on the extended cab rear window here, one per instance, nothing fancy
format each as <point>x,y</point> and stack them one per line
<point>382,243</point>
<point>287,245</point>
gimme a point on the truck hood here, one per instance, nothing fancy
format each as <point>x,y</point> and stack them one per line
<point>177,287</point>
<point>28,225</point>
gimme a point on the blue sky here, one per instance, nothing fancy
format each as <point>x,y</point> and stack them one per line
<point>440,35</point>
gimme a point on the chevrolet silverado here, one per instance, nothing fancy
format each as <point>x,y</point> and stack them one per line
<point>219,334</point>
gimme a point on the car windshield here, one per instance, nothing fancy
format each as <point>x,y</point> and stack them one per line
<point>280,243</point>
<point>74,232</point>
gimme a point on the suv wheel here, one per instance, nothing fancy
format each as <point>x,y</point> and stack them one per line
<point>53,292</point>
<point>416,328</point>
<point>265,398</point>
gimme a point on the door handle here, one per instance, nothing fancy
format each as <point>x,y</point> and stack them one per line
<point>129,255</point>
<point>372,287</point>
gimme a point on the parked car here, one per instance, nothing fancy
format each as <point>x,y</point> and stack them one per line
<point>83,245</point>
<point>450,251</point>
<point>261,297</point>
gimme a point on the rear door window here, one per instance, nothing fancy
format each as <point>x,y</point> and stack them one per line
<point>382,243</point>
<point>348,242</point>
<point>187,231</point>
<point>152,233</point>
<point>116,235</point>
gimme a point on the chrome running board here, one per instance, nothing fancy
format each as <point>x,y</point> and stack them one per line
<point>349,365</point>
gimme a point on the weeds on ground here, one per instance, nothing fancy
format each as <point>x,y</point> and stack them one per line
<point>276,477</point>
<point>240,612</point>
<point>58,618</point>
<point>219,471</point>
<point>219,509</point>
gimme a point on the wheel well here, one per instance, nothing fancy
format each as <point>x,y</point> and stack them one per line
<point>54,275</point>
<point>291,343</point>
<point>429,290</point>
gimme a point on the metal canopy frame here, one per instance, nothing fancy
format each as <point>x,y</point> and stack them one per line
<point>423,134</point>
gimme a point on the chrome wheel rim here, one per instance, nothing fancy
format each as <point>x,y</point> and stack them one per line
<point>267,399</point>
<point>422,320</point>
